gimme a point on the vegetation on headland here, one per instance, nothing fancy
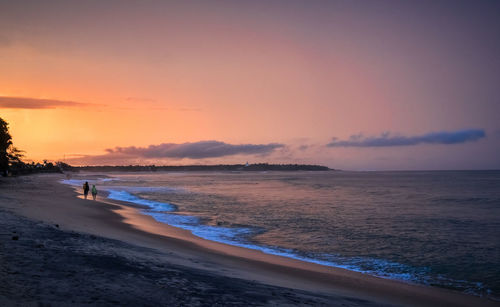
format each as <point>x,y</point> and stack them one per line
<point>201,168</point>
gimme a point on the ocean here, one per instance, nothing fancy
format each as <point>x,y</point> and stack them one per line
<point>438,228</point>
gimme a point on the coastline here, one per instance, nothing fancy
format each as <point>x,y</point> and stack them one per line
<point>43,198</point>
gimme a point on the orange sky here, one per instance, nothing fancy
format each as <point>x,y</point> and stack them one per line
<point>293,73</point>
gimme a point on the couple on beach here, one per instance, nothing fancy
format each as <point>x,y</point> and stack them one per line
<point>86,190</point>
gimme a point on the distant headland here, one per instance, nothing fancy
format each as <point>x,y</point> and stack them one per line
<point>199,168</point>
<point>22,168</point>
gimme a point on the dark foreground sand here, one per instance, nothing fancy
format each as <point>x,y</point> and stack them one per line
<point>50,266</point>
<point>59,250</point>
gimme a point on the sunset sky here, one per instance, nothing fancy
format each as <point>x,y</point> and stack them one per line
<point>355,85</point>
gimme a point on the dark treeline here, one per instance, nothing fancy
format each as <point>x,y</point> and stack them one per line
<point>22,168</point>
<point>218,167</point>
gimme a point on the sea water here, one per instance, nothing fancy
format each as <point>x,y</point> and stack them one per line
<point>439,228</point>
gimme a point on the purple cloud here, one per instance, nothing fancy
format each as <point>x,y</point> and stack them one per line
<point>196,150</point>
<point>7,102</point>
<point>386,140</point>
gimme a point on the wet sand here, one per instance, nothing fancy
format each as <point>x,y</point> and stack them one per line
<point>107,253</point>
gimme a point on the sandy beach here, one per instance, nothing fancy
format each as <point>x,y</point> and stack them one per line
<point>58,249</point>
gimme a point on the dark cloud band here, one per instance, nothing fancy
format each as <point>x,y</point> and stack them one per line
<point>196,150</point>
<point>35,103</point>
<point>386,140</point>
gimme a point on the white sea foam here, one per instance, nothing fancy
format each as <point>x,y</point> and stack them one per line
<point>130,189</point>
<point>237,237</point>
<point>136,189</point>
<point>109,179</point>
<point>126,196</point>
<point>80,182</point>
<point>73,182</point>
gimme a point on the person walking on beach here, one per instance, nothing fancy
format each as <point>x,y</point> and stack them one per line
<point>85,189</point>
<point>94,191</point>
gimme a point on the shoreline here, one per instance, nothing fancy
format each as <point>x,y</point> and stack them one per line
<point>56,203</point>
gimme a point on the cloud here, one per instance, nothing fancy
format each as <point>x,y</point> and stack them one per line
<point>386,140</point>
<point>7,102</point>
<point>196,150</point>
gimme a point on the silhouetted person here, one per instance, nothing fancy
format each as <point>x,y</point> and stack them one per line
<point>86,189</point>
<point>94,191</point>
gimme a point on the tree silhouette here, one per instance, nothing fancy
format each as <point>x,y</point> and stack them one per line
<point>5,144</point>
<point>9,155</point>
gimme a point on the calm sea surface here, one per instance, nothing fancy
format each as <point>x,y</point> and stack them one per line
<point>433,228</point>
